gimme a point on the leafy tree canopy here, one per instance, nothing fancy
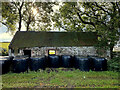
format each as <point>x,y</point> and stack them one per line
<point>15,12</point>
<point>103,18</point>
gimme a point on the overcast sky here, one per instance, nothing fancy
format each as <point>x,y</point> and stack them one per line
<point>4,35</point>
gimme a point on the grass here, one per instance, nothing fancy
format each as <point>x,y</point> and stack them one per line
<point>4,45</point>
<point>61,78</point>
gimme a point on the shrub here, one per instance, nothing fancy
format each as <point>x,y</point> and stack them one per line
<point>114,64</point>
<point>4,53</point>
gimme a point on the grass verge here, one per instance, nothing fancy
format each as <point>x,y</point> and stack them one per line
<point>61,78</point>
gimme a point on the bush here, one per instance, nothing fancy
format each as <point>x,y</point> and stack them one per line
<point>114,64</point>
<point>4,53</point>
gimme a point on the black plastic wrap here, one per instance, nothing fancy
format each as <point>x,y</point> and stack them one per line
<point>5,65</point>
<point>20,64</point>
<point>99,64</point>
<point>66,61</point>
<point>53,61</point>
<point>81,63</point>
<point>36,63</point>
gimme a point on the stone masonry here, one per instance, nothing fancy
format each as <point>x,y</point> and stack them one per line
<point>83,51</point>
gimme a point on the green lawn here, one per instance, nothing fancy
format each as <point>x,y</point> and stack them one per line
<point>61,78</point>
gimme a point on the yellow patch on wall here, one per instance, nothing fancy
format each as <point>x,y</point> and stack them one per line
<point>51,52</point>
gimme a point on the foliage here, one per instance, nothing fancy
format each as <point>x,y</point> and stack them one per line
<point>37,15</point>
<point>100,17</point>
<point>114,64</point>
<point>9,16</point>
<point>61,77</point>
<point>14,13</point>
<point>4,53</point>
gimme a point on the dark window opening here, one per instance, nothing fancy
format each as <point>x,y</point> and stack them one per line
<point>18,50</point>
<point>27,52</point>
<point>12,51</point>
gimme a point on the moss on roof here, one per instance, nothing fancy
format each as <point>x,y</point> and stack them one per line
<point>52,39</point>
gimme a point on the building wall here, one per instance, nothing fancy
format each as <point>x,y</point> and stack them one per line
<point>83,51</point>
<point>36,51</point>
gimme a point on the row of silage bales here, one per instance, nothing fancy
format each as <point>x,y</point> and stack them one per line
<point>5,64</point>
<point>22,63</point>
<point>93,63</point>
<point>79,62</point>
<point>54,61</point>
<point>66,61</point>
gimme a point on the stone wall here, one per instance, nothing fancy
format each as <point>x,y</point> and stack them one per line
<point>84,51</point>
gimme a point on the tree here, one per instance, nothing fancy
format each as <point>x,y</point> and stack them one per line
<point>19,6</point>
<point>104,18</point>
<point>37,16</point>
<point>44,19</point>
<point>9,16</point>
<point>28,15</point>
<point>22,11</point>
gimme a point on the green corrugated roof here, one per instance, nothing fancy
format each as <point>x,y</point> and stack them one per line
<point>52,39</point>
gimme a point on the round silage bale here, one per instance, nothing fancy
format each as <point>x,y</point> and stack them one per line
<point>99,63</point>
<point>20,64</point>
<point>81,63</point>
<point>54,61</point>
<point>36,63</point>
<point>66,61</point>
<point>5,64</point>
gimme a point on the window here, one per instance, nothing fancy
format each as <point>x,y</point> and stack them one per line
<point>51,52</point>
<point>12,51</point>
<point>18,50</point>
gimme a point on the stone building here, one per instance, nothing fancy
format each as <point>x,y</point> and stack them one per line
<point>59,43</point>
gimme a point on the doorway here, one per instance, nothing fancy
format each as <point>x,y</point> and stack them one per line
<point>27,52</point>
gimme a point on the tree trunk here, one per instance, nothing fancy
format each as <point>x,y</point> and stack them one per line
<point>28,26</point>
<point>20,16</point>
<point>20,21</point>
<point>28,22</point>
<point>111,52</point>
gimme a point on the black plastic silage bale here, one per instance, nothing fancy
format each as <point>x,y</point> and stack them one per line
<point>66,61</point>
<point>5,65</point>
<point>54,61</point>
<point>81,63</point>
<point>20,65</point>
<point>91,63</point>
<point>36,63</point>
<point>99,64</point>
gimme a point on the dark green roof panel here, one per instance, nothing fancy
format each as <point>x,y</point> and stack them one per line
<point>53,39</point>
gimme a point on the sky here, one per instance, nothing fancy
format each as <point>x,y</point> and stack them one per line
<point>4,35</point>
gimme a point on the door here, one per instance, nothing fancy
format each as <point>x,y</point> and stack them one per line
<point>27,52</point>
